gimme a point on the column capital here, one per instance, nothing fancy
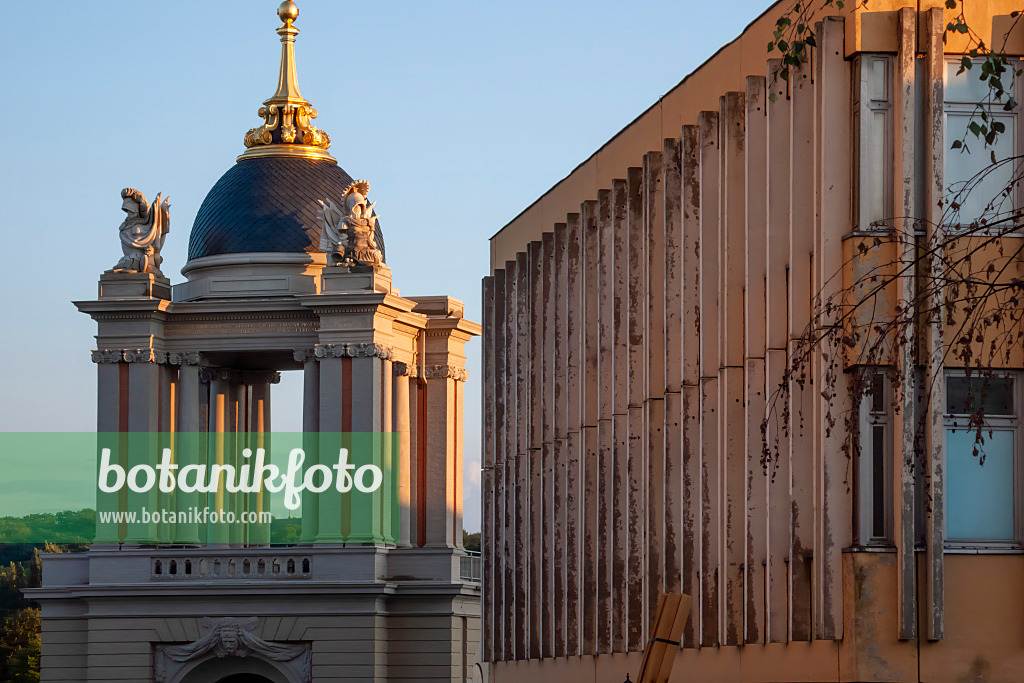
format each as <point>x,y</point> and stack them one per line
<point>447,372</point>
<point>184,358</point>
<point>303,355</point>
<point>352,350</point>
<point>147,355</point>
<point>406,370</point>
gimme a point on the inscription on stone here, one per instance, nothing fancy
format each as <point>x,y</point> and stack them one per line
<point>242,327</point>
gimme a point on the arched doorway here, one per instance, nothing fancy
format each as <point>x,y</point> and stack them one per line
<point>251,669</point>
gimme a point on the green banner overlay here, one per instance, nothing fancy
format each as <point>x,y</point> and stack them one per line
<point>197,488</point>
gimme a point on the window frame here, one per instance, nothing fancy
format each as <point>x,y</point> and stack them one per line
<point>872,418</point>
<point>866,106</point>
<point>1012,423</point>
<point>962,107</point>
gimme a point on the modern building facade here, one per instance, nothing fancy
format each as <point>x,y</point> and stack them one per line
<point>286,272</point>
<point>639,318</point>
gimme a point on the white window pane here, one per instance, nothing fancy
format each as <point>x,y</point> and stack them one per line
<point>961,167</point>
<point>979,496</point>
<point>966,87</point>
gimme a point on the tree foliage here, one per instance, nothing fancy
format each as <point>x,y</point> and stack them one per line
<point>963,275</point>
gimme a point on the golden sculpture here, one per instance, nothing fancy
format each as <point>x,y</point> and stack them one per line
<point>287,128</point>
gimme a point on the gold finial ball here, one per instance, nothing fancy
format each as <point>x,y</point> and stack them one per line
<point>288,11</point>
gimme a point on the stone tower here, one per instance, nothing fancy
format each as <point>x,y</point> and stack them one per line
<point>286,271</point>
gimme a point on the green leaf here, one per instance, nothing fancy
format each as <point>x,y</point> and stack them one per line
<point>966,63</point>
<point>810,40</point>
<point>974,128</point>
<point>951,4</point>
<point>957,144</point>
<point>839,4</point>
<point>998,127</point>
<point>772,97</point>
<point>783,45</point>
<point>993,156</point>
<point>771,45</point>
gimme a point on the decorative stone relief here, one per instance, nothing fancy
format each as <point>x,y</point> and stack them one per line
<point>147,355</point>
<point>231,637</point>
<point>142,233</point>
<point>348,232</point>
<point>354,350</point>
<point>107,356</point>
<point>144,356</point>
<point>184,357</point>
<point>407,370</point>
<point>302,355</point>
<point>446,371</point>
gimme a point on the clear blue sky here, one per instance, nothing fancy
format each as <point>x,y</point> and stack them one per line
<point>458,113</point>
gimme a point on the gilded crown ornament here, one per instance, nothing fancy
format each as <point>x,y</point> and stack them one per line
<point>287,128</point>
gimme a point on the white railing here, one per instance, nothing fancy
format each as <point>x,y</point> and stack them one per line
<point>469,567</point>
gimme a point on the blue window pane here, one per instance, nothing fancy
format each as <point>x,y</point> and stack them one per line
<point>979,496</point>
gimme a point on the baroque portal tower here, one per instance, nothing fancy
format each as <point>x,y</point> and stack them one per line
<point>286,271</point>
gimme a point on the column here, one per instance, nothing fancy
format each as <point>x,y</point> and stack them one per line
<point>403,425</point>
<point>143,438</point>
<point>335,418</point>
<point>111,421</point>
<point>221,395</point>
<point>190,431</point>
<point>310,432</point>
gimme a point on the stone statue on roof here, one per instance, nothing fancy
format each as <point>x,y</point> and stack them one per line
<point>142,233</point>
<point>348,231</point>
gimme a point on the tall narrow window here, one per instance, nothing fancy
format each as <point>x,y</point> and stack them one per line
<point>982,474</point>
<point>872,113</point>
<point>875,463</point>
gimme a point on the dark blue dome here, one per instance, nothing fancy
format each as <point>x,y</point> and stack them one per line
<point>267,204</point>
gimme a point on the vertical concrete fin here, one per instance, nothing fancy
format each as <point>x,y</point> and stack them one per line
<point>935,427</point>
<point>560,283</point>
<point>732,263</point>
<point>522,494</point>
<point>606,430</point>
<point>508,464</point>
<point>536,475</point>
<point>591,551</point>
<point>637,444</point>
<point>708,312</point>
<point>905,418</point>
<point>547,448</point>
<point>690,172</point>
<point>755,149</point>
<point>620,475</point>
<point>487,480</point>
<point>834,149</point>
<point>574,386</point>
<point>653,190</point>
<point>673,264</point>
<point>802,198</point>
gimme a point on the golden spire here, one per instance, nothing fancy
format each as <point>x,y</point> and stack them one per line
<point>287,129</point>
